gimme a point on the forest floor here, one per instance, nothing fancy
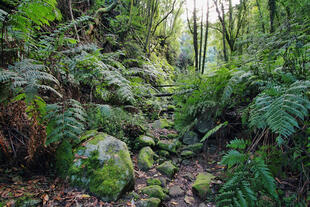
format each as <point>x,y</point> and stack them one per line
<point>20,189</point>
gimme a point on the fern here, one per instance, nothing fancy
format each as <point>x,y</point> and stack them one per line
<point>212,131</point>
<point>238,144</point>
<point>29,75</point>
<point>249,179</point>
<point>64,121</point>
<point>280,108</point>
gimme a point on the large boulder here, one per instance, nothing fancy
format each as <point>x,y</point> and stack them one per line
<point>103,166</point>
<point>201,186</point>
<point>145,158</point>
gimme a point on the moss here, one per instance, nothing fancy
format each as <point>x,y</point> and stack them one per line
<point>187,154</point>
<point>64,158</point>
<point>195,147</point>
<point>153,181</point>
<point>169,145</point>
<point>144,141</point>
<point>202,184</point>
<point>99,137</point>
<point>88,134</point>
<point>164,153</point>
<point>154,191</point>
<point>167,168</point>
<point>172,136</point>
<point>150,202</point>
<point>105,180</point>
<point>145,158</point>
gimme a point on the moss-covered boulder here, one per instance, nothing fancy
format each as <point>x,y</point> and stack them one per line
<point>169,145</point>
<point>201,186</point>
<point>103,166</point>
<point>154,191</point>
<point>144,141</point>
<point>162,124</point>
<point>149,202</point>
<point>145,158</point>
<point>167,168</point>
<point>64,158</point>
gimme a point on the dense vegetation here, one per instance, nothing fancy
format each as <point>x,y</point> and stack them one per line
<point>72,66</point>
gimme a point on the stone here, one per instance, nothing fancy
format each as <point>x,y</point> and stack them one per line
<point>169,145</point>
<point>201,186</point>
<point>154,191</point>
<point>189,200</point>
<point>163,182</point>
<point>163,153</point>
<point>64,158</point>
<point>176,191</point>
<point>149,202</point>
<point>103,166</point>
<point>189,176</point>
<point>162,124</point>
<point>167,168</point>
<point>145,158</point>
<point>204,123</point>
<point>153,181</point>
<point>171,107</point>
<point>190,138</point>
<point>144,141</point>
<point>187,154</point>
<point>172,136</point>
<point>197,148</point>
<point>202,205</point>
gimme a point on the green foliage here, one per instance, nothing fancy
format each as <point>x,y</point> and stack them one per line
<point>280,107</point>
<point>249,180</point>
<point>29,76</point>
<point>212,131</point>
<point>66,121</point>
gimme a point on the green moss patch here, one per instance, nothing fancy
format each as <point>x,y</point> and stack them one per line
<point>201,186</point>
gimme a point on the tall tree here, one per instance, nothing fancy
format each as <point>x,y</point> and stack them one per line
<point>206,39</point>
<point>201,37</point>
<point>272,13</point>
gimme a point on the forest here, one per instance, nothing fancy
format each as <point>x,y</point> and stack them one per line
<point>155,103</point>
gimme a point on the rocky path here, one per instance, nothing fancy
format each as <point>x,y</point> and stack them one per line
<point>177,175</point>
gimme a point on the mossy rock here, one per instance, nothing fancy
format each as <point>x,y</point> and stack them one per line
<point>197,148</point>
<point>169,145</point>
<point>64,158</point>
<point>201,186</point>
<point>172,136</point>
<point>103,166</point>
<point>163,153</point>
<point>162,124</point>
<point>149,202</point>
<point>167,168</point>
<point>187,154</point>
<point>171,107</point>
<point>154,191</point>
<point>145,158</point>
<point>153,181</point>
<point>144,141</point>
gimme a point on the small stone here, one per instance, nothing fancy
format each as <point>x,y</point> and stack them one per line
<point>153,181</point>
<point>144,141</point>
<point>201,186</point>
<point>164,153</point>
<point>145,158</point>
<point>189,176</point>
<point>167,168</point>
<point>169,145</point>
<point>203,205</point>
<point>197,148</point>
<point>187,154</point>
<point>149,202</point>
<point>176,191</point>
<point>189,200</point>
<point>163,182</point>
<point>154,191</point>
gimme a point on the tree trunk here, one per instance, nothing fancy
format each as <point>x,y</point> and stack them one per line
<point>224,32</point>
<point>206,40</point>
<point>201,37</point>
<point>195,35</point>
<point>272,12</point>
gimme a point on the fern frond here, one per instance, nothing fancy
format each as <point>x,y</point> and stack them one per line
<point>212,131</point>
<point>233,157</point>
<point>238,144</point>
